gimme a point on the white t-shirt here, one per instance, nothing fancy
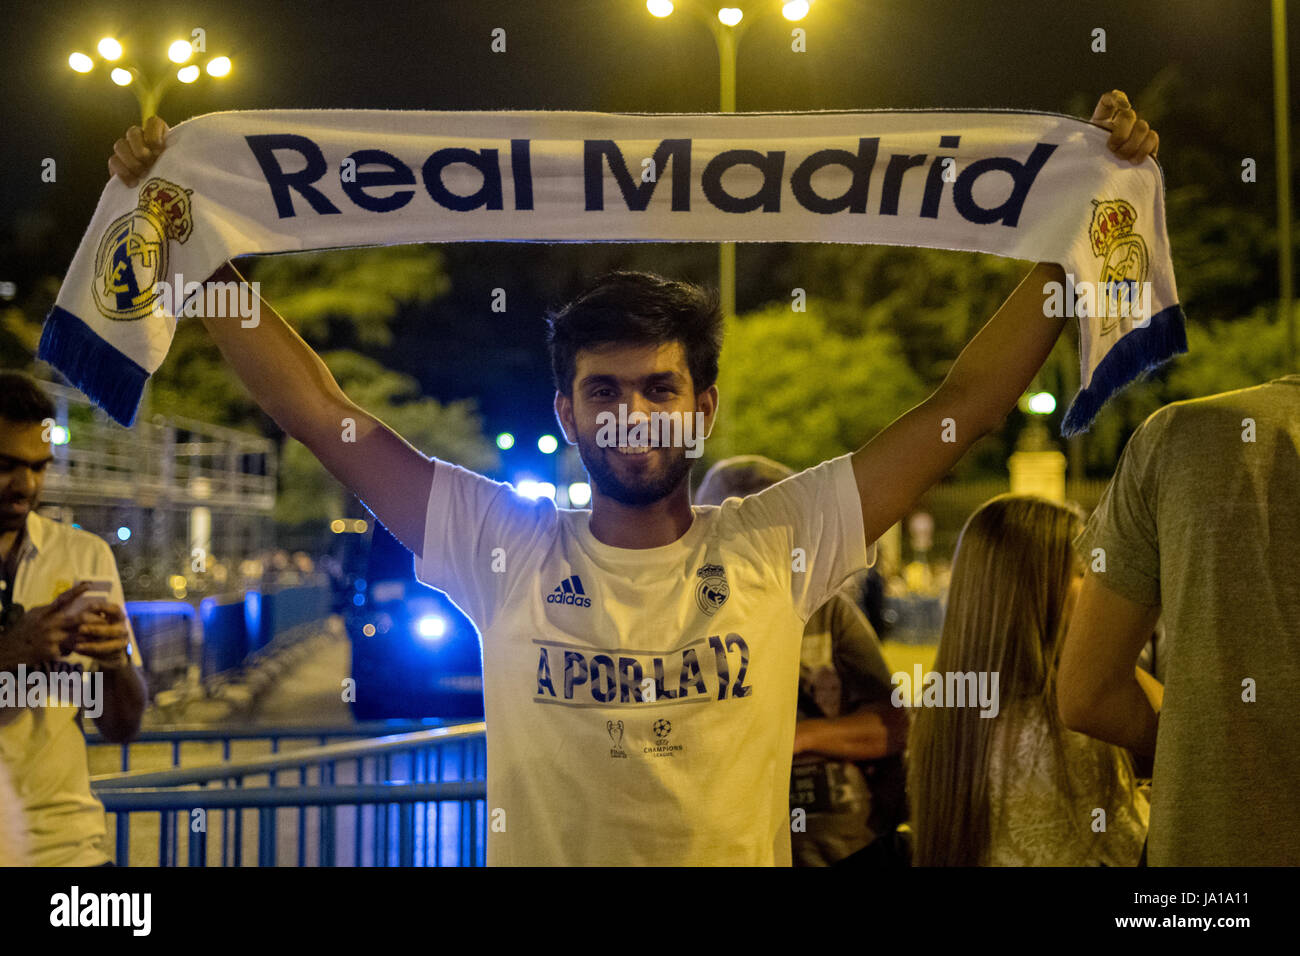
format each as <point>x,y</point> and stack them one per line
<point>641,703</point>
<point>43,747</point>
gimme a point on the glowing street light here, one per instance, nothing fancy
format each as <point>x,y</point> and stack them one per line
<point>727,27</point>
<point>531,488</point>
<point>149,94</point>
<point>547,444</point>
<point>1042,403</point>
<point>505,441</point>
<point>579,494</point>
<point>180,51</point>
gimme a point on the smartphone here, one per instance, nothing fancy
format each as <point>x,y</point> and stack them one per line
<point>94,596</point>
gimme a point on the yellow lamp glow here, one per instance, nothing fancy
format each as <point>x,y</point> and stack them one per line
<point>730,15</point>
<point>219,66</point>
<point>795,10</point>
<point>188,74</point>
<point>180,51</point>
<point>81,63</point>
<point>659,8</point>
<point>109,49</point>
<point>121,77</point>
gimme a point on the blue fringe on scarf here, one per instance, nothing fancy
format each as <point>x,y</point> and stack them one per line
<point>109,379</point>
<point>1135,354</point>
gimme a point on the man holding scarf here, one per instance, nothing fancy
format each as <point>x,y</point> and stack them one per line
<point>639,671</point>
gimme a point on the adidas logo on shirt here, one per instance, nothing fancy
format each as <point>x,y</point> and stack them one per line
<point>569,591</point>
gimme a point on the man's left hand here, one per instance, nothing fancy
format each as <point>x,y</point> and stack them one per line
<point>103,637</point>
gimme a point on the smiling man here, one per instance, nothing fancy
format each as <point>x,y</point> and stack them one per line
<point>650,719</point>
<point>44,568</point>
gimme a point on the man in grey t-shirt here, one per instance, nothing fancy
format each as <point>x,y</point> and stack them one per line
<point>1202,522</point>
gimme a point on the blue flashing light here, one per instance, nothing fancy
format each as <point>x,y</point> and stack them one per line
<point>123,533</point>
<point>431,627</point>
<point>253,616</point>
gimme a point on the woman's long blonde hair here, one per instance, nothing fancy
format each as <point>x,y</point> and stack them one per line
<point>1011,576</point>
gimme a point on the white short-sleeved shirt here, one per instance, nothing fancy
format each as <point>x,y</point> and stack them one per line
<point>641,703</point>
<point>44,748</point>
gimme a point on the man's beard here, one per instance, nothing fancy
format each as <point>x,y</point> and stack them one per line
<point>645,491</point>
<point>15,522</point>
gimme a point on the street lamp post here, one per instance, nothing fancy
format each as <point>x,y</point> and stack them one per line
<point>149,93</point>
<point>1282,132</point>
<point>1036,467</point>
<point>727,26</point>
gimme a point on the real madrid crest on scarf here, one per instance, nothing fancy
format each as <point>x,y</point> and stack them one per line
<point>132,255</point>
<point>1124,258</point>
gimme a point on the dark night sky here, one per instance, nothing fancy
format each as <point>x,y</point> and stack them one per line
<point>607,55</point>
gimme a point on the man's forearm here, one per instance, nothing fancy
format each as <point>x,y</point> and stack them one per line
<point>863,735</point>
<point>1001,361</point>
<point>281,371</point>
<point>123,705</point>
<point>1123,714</point>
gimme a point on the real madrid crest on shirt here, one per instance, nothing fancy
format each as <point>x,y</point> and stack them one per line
<point>712,591</point>
<point>132,255</point>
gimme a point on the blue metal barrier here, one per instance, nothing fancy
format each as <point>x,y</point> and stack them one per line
<point>415,799</point>
<point>225,639</point>
<point>235,626</point>
<point>180,735</point>
<point>166,634</point>
<point>269,613</point>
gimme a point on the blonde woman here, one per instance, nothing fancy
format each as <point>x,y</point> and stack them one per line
<point>1017,789</point>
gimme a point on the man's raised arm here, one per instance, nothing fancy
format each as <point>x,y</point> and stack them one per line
<point>897,466</point>
<point>292,385</point>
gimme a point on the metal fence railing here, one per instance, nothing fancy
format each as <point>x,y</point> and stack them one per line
<point>170,459</point>
<point>203,737</point>
<point>169,640</point>
<point>409,799</point>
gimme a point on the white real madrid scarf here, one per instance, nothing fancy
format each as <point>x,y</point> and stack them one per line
<point>1034,186</point>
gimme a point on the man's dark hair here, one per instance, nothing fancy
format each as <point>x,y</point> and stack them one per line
<point>637,308</point>
<point>22,401</point>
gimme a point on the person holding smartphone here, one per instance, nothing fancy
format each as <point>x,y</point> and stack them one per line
<point>61,611</point>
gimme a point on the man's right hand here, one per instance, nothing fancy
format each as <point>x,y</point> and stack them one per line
<point>43,634</point>
<point>137,150</point>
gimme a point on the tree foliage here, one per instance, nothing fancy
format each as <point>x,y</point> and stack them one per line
<point>796,390</point>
